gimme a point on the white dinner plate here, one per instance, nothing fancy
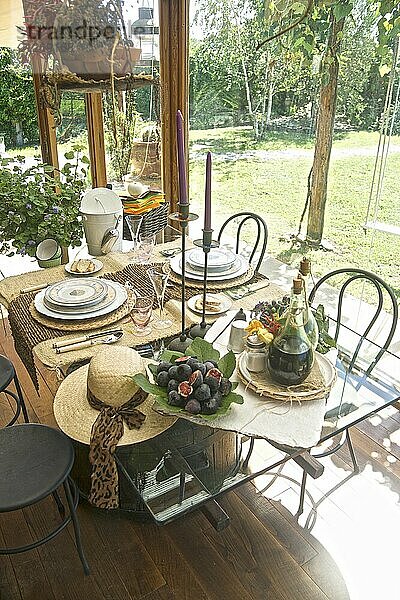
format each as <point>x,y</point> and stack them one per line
<point>120,298</point>
<point>226,303</point>
<point>97,263</point>
<point>218,258</point>
<point>221,276</point>
<point>190,270</point>
<point>69,310</point>
<point>73,292</point>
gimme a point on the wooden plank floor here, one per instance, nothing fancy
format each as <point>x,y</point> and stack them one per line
<point>264,554</point>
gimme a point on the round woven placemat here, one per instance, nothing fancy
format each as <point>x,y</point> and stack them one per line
<point>85,324</point>
<point>218,285</point>
<point>263,385</point>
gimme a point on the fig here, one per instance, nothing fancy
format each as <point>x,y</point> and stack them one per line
<point>196,379</point>
<point>172,385</point>
<point>182,360</point>
<point>185,389</point>
<point>217,396</point>
<point>193,407</point>
<point>163,366</point>
<point>162,379</point>
<point>212,382</point>
<point>216,373</point>
<point>225,386</point>
<point>193,363</point>
<point>183,372</point>
<point>202,368</point>
<point>174,399</point>
<point>173,372</point>
<point>202,393</point>
<point>210,407</point>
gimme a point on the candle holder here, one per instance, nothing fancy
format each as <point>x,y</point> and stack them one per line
<point>206,244</point>
<point>183,217</point>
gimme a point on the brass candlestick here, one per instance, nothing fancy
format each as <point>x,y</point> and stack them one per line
<point>206,243</point>
<point>183,217</point>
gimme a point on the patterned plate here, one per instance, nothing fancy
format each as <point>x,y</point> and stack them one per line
<point>67,310</point>
<point>72,292</point>
<point>218,258</point>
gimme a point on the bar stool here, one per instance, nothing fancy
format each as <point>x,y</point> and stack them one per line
<point>7,375</point>
<point>35,460</point>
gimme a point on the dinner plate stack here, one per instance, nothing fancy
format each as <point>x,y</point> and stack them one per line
<point>74,299</point>
<point>222,264</point>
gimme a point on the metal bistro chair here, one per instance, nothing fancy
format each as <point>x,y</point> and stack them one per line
<point>260,240</point>
<point>35,460</point>
<point>353,357</point>
<point>7,376</point>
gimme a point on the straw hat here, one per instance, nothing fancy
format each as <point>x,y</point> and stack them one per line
<point>108,378</point>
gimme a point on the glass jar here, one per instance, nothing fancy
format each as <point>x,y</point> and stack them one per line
<point>256,354</point>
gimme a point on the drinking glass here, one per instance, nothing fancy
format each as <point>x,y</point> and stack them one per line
<point>140,314</point>
<point>159,281</point>
<point>145,247</point>
<point>134,223</point>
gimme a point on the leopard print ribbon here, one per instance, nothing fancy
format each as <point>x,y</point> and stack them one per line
<point>107,430</point>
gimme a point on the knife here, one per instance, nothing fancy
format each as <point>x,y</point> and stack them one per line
<point>93,342</point>
<point>85,338</point>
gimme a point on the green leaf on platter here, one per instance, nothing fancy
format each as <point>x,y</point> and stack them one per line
<point>148,387</point>
<point>203,350</point>
<point>170,355</point>
<point>227,364</point>
<point>152,368</point>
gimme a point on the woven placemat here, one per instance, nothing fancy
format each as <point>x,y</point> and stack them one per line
<point>217,286</point>
<point>86,324</point>
<point>263,385</point>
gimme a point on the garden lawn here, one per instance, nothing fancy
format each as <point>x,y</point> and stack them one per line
<point>271,180</point>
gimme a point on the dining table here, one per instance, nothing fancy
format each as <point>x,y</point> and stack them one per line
<point>199,459</point>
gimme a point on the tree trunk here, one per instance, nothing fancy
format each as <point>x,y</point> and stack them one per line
<point>324,135</point>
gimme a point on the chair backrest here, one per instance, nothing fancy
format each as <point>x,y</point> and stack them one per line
<point>261,238</point>
<point>367,314</point>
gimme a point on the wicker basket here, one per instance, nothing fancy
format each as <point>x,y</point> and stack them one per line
<point>153,221</point>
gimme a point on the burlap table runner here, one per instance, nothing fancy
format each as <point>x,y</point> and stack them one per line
<point>28,333</point>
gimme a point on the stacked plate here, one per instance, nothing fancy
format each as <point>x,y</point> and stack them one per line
<point>74,299</point>
<point>222,264</point>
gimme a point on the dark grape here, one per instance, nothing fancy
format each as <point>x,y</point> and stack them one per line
<point>193,363</point>
<point>163,366</point>
<point>218,397</point>
<point>225,387</point>
<point>173,372</point>
<point>210,407</point>
<point>174,399</point>
<point>209,365</point>
<point>212,383</point>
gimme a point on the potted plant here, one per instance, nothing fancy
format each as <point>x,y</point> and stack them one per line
<point>86,36</point>
<point>35,204</point>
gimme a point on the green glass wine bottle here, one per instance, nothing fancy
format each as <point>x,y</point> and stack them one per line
<point>290,354</point>
<point>310,324</point>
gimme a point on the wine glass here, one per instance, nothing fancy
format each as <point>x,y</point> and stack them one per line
<point>134,223</point>
<point>140,314</point>
<point>145,247</point>
<point>159,281</point>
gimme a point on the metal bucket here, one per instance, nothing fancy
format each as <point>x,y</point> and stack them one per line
<point>96,226</point>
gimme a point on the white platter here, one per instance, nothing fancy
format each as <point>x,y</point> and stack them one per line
<point>220,276</point>
<point>120,298</point>
<point>71,292</point>
<point>97,263</point>
<point>218,258</point>
<point>226,303</point>
<point>326,367</point>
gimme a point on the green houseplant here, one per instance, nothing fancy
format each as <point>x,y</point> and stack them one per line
<point>35,205</point>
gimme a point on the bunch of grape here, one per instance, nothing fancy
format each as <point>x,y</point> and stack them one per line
<point>273,309</point>
<point>195,386</point>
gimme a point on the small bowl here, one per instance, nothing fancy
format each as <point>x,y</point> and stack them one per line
<point>48,253</point>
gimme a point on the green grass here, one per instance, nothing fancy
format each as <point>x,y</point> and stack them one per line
<point>276,189</point>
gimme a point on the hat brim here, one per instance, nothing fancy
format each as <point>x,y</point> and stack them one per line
<point>75,416</point>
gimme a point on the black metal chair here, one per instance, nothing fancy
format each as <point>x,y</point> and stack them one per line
<point>35,461</point>
<point>7,376</point>
<point>350,345</point>
<point>260,240</point>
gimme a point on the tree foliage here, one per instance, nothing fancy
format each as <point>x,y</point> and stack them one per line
<point>17,100</point>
